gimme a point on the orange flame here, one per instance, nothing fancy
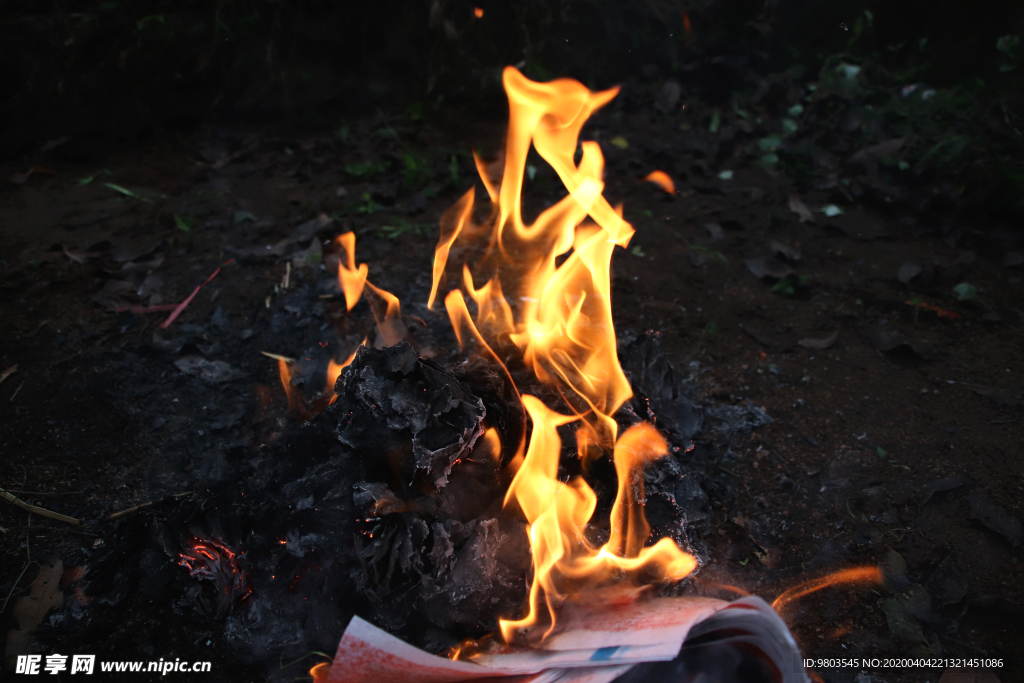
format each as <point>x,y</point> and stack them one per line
<point>320,672</point>
<point>386,308</point>
<point>662,180</point>
<point>334,372</point>
<point>854,575</point>
<point>478,12</point>
<point>547,291</point>
<point>350,279</point>
<point>297,402</point>
<point>284,371</point>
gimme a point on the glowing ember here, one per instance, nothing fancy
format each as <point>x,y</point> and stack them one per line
<point>319,672</point>
<point>662,180</point>
<point>556,274</point>
<point>212,561</point>
<point>854,575</point>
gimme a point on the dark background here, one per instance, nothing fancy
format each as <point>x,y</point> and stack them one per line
<point>132,70</point>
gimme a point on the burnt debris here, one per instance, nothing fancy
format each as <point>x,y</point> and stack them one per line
<point>385,505</point>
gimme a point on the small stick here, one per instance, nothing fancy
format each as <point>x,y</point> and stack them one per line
<point>181,307</point>
<point>17,390</point>
<point>122,513</point>
<point>8,372</point>
<point>277,356</point>
<point>14,500</point>
<point>45,493</point>
<point>39,527</point>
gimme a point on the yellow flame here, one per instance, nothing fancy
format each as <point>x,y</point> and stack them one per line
<point>351,280</point>
<point>547,293</point>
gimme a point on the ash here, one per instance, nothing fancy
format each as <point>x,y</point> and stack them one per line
<point>380,506</point>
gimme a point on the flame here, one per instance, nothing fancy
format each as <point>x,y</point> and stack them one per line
<point>284,371</point>
<point>320,672</point>
<point>478,12</point>
<point>353,282</point>
<point>662,180</point>
<point>297,402</point>
<point>564,561</point>
<point>545,290</point>
<point>853,575</point>
<point>334,369</point>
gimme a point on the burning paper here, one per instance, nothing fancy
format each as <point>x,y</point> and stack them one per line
<point>595,647</point>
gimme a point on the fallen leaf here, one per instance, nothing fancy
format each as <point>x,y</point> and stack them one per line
<point>789,253</point>
<point>213,371</point>
<point>908,271</point>
<point>715,231</point>
<point>765,266</point>
<point>8,372</point>
<point>308,230</point>
<point>799,208</point>
<point>78,256</point>
<point>620,142</point>
<point>819,344</point>
<point>996,518</point>
<point>43,595</point>
<point>965,291</point>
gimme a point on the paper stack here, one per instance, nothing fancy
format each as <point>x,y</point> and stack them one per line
<point>593,645</point>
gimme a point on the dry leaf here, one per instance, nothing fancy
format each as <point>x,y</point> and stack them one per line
<point>799,208</point>
<point>819,344</point>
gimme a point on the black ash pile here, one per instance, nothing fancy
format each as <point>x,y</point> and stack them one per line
<point>388,505</point>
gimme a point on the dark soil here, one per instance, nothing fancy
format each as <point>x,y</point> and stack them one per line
<point>879,453</point>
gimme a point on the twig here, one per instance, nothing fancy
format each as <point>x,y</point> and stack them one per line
<point>122,513</point>
<point>52,528</point>
<point>14,500</point>
<point>8,372</point>
<point>17,390</point>
<point>181,307</point>
<point>45,493</point>
<point>277,356</point>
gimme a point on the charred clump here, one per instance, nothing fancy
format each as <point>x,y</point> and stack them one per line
<point>388,504</point>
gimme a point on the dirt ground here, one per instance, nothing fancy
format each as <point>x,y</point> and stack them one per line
<point>898,443</point>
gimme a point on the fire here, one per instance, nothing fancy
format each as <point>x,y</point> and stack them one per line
<point>297,403</point>
<point>662,180</point>
<point>334,369</point>
<point>852,575</point>
<point>320,672</point>
<point>557,275</point>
